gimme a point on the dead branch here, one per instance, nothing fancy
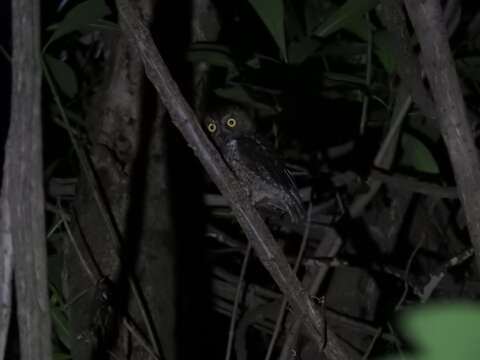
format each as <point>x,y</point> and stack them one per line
<point>252,224</point>
<point>439,66</point>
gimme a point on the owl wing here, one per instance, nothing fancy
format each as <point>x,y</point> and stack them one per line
<point>259,159</point>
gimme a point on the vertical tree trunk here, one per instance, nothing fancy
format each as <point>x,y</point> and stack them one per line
<point>128,155</point>
<point>23,184</point>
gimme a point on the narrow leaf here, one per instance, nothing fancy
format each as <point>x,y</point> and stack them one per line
<point>63,74</point>
<point>350,11</point>
<point>272,14</point>
<point>417,155</point>
<point>83,14</point>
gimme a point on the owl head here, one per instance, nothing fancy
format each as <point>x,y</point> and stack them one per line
<point>228,123</point>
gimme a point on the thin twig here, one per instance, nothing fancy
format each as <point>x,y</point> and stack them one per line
<point>238,297</point>
<point>368,76</point>
<point>402,297</point>
<point>410,183</point>
<point>54,228</point>
<point>93,277</point>
<point>5,54</point>
<point>140,338</point>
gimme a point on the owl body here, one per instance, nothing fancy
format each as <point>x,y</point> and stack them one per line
<point>253,162</point>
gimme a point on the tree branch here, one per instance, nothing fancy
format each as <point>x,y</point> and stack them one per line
<point>252,224</point>
<point>428,22</point>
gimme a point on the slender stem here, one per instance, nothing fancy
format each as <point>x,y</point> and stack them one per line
<point>238,297</point>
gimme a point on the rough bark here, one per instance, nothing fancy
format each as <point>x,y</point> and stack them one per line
<point>439,66</point>
<point>6,269</point>
<point>128,156</point>
<point>23,184</point>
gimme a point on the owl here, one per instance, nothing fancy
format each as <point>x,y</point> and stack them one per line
<point>253,161</point>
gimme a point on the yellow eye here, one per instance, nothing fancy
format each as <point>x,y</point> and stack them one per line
<point>231,122</point>
<point>211,127</point>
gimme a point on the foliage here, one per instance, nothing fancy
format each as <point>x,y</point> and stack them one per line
<point>442,331</point>
<point>84,18</point>
<point>303,67</point>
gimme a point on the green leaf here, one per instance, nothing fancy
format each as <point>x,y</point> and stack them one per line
<point>417,155</point>
<point>315,12</point>
<point>358,26</point>
<point>444,331</point>
<point>383,44</point>
<point>348,12</point>
<point>382,41</point>
<point>60,326</point>
<point>61,356</point>
<point>345,78</point>
<point>63,75</point>
<point>59,316</point>
<point>272,14</point>
<point>85,13</point>
<point>299,51</point>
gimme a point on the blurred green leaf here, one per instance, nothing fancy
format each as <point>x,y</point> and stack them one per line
<point>443,331</point>
<point>383,44</point>
<point>60,326</point>
<point>382,41</point>
<point>293,26</point>
<point>85,13</point>
<point>61,356</point>
<point>417,155</point>
<point>299,51</point>
<point>272,14</point>
<point>358,25</point>
<point>419,124</point>
<point>315,12</point>
<point>349,12</point>
<point>63,75</point>
<point>59,316</point>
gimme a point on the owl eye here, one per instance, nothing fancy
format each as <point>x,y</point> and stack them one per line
<point>231,122</point>
<point>211,127</point>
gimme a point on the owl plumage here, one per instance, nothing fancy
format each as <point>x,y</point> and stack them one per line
<point>253,161</point>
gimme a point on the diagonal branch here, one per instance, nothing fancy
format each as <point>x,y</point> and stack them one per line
<point>252,224</point>
<point>439,66</point>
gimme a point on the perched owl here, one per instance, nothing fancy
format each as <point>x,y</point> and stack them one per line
<point>254,163</point>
